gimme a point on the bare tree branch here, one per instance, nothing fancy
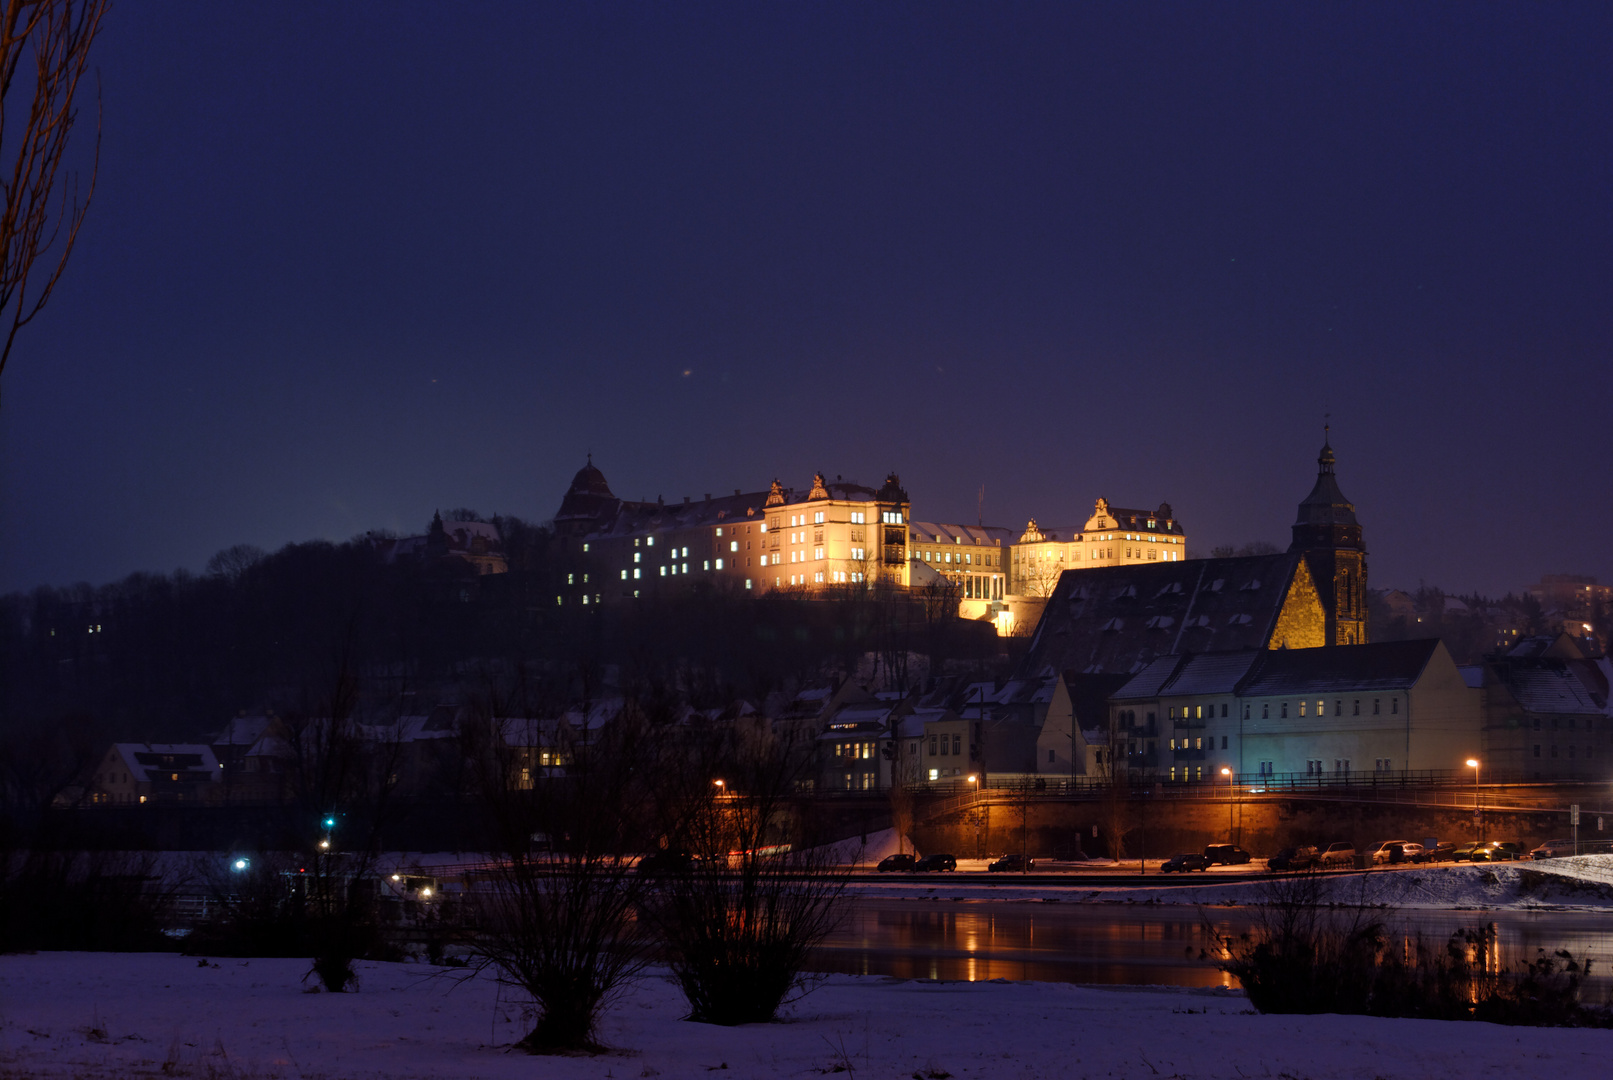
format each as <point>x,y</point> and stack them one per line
<point>38,221</point>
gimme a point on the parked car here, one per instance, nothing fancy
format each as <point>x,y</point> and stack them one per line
<point>1435,852</point>
<point>1383,852</point>
<point>1184,861</point>
<point>1463,852</point>
<point>1302,857</point>
<point>1553,849</point>
<point>936,863</point>
<point>1226,855</point>
<point>1337,855</point>
<point>1497,851</point>
<point>894,863</point>
<point>1013,861</point>
<point>1396,851</point>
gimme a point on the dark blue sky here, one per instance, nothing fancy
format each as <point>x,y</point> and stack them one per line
<point>350,264</point>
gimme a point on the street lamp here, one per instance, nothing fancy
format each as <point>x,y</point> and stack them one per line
<point>1226,772</point>
<point>1478,832</point>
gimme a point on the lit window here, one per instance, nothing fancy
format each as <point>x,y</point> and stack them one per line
<point>733,545</point>
<point>569,579</point>
<point>747,583</point>
<point>663,571</point>
<point>635,576</point>
<point>719,530</point>
<point>817,519</point>
<point>685,553</point>
<point>685,565</point>
<point>706,565</point>
<point>649,541</point>
<point>585,548</point>
<point>624,575</point>
<point>817,553</point>
<point>637,555</point>
<point>719,564</point>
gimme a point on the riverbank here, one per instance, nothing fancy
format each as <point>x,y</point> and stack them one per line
<point>1584,883</point>
<point>105,1015</point>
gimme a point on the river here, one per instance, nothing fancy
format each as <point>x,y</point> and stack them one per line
<point>1129,945</point>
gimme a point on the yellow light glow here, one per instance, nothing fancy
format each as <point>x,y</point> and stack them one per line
<point>425,893</point>
<point>1226,772</point>
<point>1472,763</point>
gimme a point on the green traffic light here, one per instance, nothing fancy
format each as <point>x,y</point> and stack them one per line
<point>330,823</point>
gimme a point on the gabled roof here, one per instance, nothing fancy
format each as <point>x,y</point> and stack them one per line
<point>1120,618</point>
<point>1383,665</point>
<point>145,761</point>
<point>1192,674</point>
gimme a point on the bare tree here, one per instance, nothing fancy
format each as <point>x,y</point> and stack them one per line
<point>556,919</point>
<point>37,221</point>
<point>342,779</point>
<point>760,891</point>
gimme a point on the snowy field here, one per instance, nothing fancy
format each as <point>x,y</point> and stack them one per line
<point>157,1015</point>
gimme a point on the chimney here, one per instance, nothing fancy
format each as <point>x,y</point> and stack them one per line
<point>736,491</point>
<point>686,500</point>
<point>708,496</point>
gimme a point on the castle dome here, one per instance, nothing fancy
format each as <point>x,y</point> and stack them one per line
<point>589,496</point>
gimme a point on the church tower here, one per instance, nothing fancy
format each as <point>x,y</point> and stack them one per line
<point>1328,536</point>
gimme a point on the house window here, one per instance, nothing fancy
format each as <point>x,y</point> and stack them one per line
<point>932,747</point>
<point>1050,757</point>
<point>1537,749</point>
<point>1357,707</point>
<point>1285,710</point>
<point>1394,705</point>
<point>957,744</point>
<point>935,774</point>
<point>1374,706</point>
<point>1223,742</point>
<point>1302,705</point>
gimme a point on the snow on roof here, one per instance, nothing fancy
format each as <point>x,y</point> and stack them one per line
<point>1550,686</point>
<point>241,731</point>
<point>930,532</point>
<point>1473,675</point>
<point>143,759</point>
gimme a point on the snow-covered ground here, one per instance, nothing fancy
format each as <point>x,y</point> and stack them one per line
<point>106,1015</point>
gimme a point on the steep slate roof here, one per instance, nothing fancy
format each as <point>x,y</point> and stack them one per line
<point>1120,618</point>
<point>1383,665</point>
<point>1180,676</point>
<point>1546,684</point>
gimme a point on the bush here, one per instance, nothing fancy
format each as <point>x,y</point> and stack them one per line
<point>1305,956</point>
<point>81,900</point>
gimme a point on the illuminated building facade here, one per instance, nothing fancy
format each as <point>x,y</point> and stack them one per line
<point>837,533</point>
<point>1112,536</point>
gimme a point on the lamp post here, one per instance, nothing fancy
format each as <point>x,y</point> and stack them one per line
<point>1226,772</point>
<point>1478,831</point>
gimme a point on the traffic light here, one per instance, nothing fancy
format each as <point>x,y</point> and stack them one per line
<point>330,822</point>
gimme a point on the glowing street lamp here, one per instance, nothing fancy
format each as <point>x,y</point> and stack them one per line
<point>1478,831</point>
<point>1226,772</point>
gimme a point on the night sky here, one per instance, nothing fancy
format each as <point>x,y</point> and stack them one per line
<point>352,263</point>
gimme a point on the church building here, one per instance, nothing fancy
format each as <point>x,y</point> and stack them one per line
<point>1119,619</point>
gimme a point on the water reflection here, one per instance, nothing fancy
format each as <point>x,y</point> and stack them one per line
<point>1130,946</point>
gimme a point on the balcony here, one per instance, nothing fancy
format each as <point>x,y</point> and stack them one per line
<point>1185,754</point>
